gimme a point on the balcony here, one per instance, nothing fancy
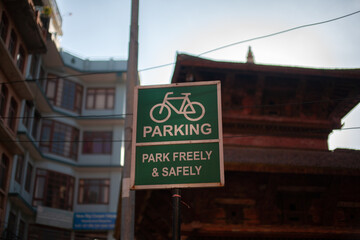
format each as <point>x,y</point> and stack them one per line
<point>42,103</point>
<point>13,74</point>
<point>30,145</point>
<point>8,139</point>
<point>28,23</point>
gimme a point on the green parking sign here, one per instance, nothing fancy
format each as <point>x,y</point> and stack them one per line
<point>177,136</point>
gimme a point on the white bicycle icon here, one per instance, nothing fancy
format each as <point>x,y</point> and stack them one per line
<point>187,108</point>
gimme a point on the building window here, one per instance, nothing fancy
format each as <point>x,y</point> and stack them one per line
<point>36,125</point>
<point>21,232</point>
<point>12,43</point>
<point>39,232</point>
<point>100,98</point>
<point>97,142</point>
<point>29,171</point>
<point>51,89</point>
<point>69,94</point>
<point>94,191</point>
<point>19,169</point>
<point>12,223</point>
<point>3,100</point>
<point>42,78</point>
<point>4,26</point>
<point>12,118</point>
<point>53,189</point>
<point>20,59</point>
<point>64,93</point>
<point>81,235</point>
<point>4,171</point>
<point>34,65</point>
<point>27,114</point>
<point>59,138</point>
<point>4,168</point>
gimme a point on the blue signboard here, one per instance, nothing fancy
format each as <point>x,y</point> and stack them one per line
<point>94,221</point>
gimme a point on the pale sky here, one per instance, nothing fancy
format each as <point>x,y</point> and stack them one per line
<point>100,30</point>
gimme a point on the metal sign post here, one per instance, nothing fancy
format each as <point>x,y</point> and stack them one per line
<point>176,199</point>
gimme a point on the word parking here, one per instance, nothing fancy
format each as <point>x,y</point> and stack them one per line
<point>177,130</point>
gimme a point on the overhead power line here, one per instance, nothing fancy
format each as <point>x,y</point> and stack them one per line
<point>280,32</point>
<point>206,52</point>
<point>125,140</point>
<point>122,115</point>
<point>257,38</point>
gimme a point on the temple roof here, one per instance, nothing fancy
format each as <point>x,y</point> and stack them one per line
<point>280,105</point>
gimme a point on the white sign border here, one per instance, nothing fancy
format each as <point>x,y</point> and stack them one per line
<point>220,140</point>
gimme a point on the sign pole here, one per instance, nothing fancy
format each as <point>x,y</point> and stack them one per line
<point>176,214</point>
<point>127,196</point>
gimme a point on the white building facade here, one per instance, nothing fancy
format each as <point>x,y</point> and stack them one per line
<point>66,184</point>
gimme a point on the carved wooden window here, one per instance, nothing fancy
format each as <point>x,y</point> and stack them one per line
<point>300,208</point>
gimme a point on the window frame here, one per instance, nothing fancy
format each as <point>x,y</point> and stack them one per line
<point>68,148</point>
<point>12,43</point>
<point>90,139</point>
<point>34,65</point>
<point>36,125</point>
<point>28,177</point>
<point>3,100</point>
<point>21,58</point>
<point>19,169</point>
<point>21,229</point>
<point>27,114</point>
<point>50,179</point>
<point>103,191</point>
<point>4,170</point>
<point>59,96</point>
<point>4,26</point>
<point>12,222</point>
<point>92,95</point>
<point>12,114</point>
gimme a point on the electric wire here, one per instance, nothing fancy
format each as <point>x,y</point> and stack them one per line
<point>120,116</point>
<point>257,38</point>
<point>203,53</point>
<point>280,32</point>
<point>129,140</point>
<point>209,51</point>
<point>79,117</point>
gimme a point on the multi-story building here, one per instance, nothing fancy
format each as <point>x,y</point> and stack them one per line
<point>62,120</point>
<point>21,35</point>
<point>281,180</point>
